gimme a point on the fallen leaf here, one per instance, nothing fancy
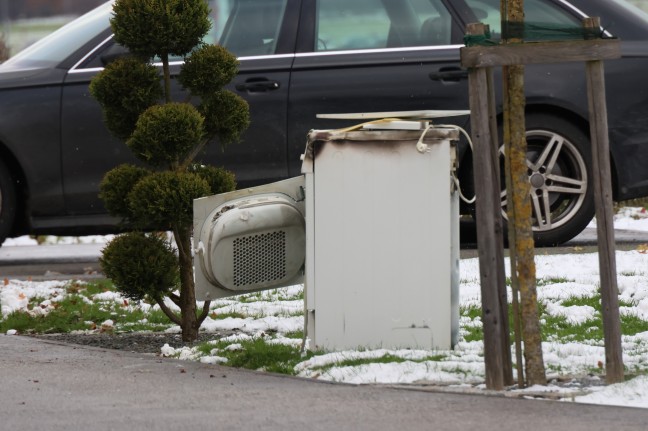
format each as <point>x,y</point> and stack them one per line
<point>6,281</point>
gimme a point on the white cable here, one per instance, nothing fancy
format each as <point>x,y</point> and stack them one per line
<point>420,146</point>
<point>454,175</point>
<point>462,130</point>
<point>463,198</point>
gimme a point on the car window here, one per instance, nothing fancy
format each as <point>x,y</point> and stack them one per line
<point>247,27</point>
<point>244,27</point>
<point>374,24</point>
<point>53,49</point>
<point>542,17</point>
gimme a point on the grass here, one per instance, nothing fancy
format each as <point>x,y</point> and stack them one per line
<point>257,354</point>
<point>552,280</point>
<point>71,314</point>
<point>384,359</point>
<point>558,328</point>
<point>641,202</point>
<point>79,309</point>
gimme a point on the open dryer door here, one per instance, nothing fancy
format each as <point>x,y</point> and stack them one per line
<point>250,240</point>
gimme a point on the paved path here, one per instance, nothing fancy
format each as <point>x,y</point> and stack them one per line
<point>50,386</point>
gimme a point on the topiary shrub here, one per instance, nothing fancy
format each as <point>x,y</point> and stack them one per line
<point>116,184</point>
<point>219,180</point>
<point>165,199</point>
<point>167,136</point>
<point>150,28</point>
<point>226,116</point>
<point>196,73</point>
<point>141,265</point>
<point>125,88</point>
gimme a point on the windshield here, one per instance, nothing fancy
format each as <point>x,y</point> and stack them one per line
<point>53,49</point>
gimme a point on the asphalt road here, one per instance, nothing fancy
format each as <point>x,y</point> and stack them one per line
<point>51,386</point>
<point>80,261</point>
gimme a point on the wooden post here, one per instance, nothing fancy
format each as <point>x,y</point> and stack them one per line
<point>507,363</point>
<point>479,60</point>
<point>521,245</point>
<point>489,221</point>
<point>602,184</point>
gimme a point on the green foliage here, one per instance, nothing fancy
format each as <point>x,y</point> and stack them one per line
<point>385,359</point>
<point>150,28</point>
<point>80,311</point>
<point>552,280</point>
<point>208,69</point>
<point>581,301</point>
<point>71,314</point>
<point>116,184</point>
<point>137,320</point>
<point>473,332</point>
<point>141,265</point>
<point>258,355</point>
<point>165,134</point>
<point>632,324</point>
<point>220,180</point>
<point>125,89</point>
<point>226,114</point>
<point>165,199</point>
<point>229,315</point>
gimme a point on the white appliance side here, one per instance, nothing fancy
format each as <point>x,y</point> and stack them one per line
<point>381,256</point>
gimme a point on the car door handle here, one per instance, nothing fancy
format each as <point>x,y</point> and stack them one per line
<point>449,74</point>
<point>258,85</point>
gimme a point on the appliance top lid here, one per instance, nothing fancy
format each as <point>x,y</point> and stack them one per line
<point>409,115</point>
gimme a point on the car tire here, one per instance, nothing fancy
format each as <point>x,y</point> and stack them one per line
<point>560,175</point>
<point>7,202</point>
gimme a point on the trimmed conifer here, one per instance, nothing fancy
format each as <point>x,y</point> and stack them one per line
<point>166,136</point>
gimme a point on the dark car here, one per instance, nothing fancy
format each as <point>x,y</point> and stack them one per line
<point>299,58</point>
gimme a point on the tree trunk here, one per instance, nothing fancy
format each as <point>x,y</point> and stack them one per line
<point>518,199</point>
<point>190,322</point>
<point>515,286</point>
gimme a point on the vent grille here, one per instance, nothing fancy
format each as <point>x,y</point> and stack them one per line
<point>259,258</point>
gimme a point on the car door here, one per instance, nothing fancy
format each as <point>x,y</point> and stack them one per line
<point>259,32</point>
<point>262,34</point>
<point>373,56</point>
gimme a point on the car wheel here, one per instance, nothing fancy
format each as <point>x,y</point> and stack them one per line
<point>7,202</point>
<point>558,161</point>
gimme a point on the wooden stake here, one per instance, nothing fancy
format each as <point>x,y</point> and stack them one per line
<point>489,222</point>
<point>602,184</point>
